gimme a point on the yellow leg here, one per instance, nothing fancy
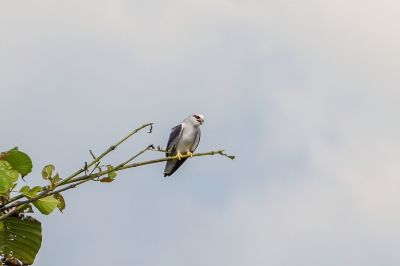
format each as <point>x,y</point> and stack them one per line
<point>190,154</point>
<point>179,155</point>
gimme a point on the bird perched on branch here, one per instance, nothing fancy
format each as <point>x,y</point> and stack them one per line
<point>183,140</point>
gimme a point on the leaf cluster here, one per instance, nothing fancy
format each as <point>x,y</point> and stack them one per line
<point>20,233</point>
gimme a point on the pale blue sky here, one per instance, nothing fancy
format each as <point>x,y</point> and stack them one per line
<point>305,93</point>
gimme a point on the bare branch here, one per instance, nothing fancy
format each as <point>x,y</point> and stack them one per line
<point>220,152</point>
<point>74,180</point>
<point>123,166</point>
<point>11,212</point>
<point>96,161</point>
<point>110,149</point>
<point>92,154</point>
<point>133,165</point>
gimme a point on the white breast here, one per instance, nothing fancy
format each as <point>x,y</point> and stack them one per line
<point>187,139</point>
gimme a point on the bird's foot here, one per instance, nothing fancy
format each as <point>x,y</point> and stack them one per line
<point>179,155</point>
<point>190,154</point>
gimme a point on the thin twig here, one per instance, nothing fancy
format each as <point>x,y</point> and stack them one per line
<point>110,149</point>
<point>95,161</point>
<point>11,212</point>
<point>92,154</point>
<point>94,168</point>
<point>133,157</point>
<point>115,169</point>
<point>75,183</point>
<point>38,197</point>
<point>158,150</point>
<point>83,179</point>
<point>220,152</point>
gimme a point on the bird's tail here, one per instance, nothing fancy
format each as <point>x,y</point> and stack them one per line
<point>169,167</point>
<point>172,166</point>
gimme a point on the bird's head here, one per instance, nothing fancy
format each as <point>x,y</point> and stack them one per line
<point>196,119</point>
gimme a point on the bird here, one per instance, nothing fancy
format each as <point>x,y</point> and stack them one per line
<point>183,140</point>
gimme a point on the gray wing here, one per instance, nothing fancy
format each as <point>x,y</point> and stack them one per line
<point>196,141</point>
<point>172,165</point>
<point>174,137</point>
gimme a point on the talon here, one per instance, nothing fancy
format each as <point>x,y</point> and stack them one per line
<point>190,154</point>
<point>179,155</point>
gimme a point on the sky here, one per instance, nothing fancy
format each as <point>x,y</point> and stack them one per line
<point>304,93</point>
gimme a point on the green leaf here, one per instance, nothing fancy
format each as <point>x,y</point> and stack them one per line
<point>4,165</point>
<point>8,176</point>
<point>30,192</point>
<point>20,239</point>
<point>14,174</point>
<point>6,169</point>
<point>46,205</point>
<point>47,174</point>
<point>24,190</point>
<point>6,182</point>
<point>25,209</point>
<point>111,175</point>
<point>19,160</point>
<point>47,171</point>
<point>61,201</point>
<point>55,179</point>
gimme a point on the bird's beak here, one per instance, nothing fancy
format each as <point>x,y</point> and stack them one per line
<point>201,121</point>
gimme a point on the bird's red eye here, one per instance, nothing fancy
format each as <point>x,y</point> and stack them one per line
<point>196,116</point>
